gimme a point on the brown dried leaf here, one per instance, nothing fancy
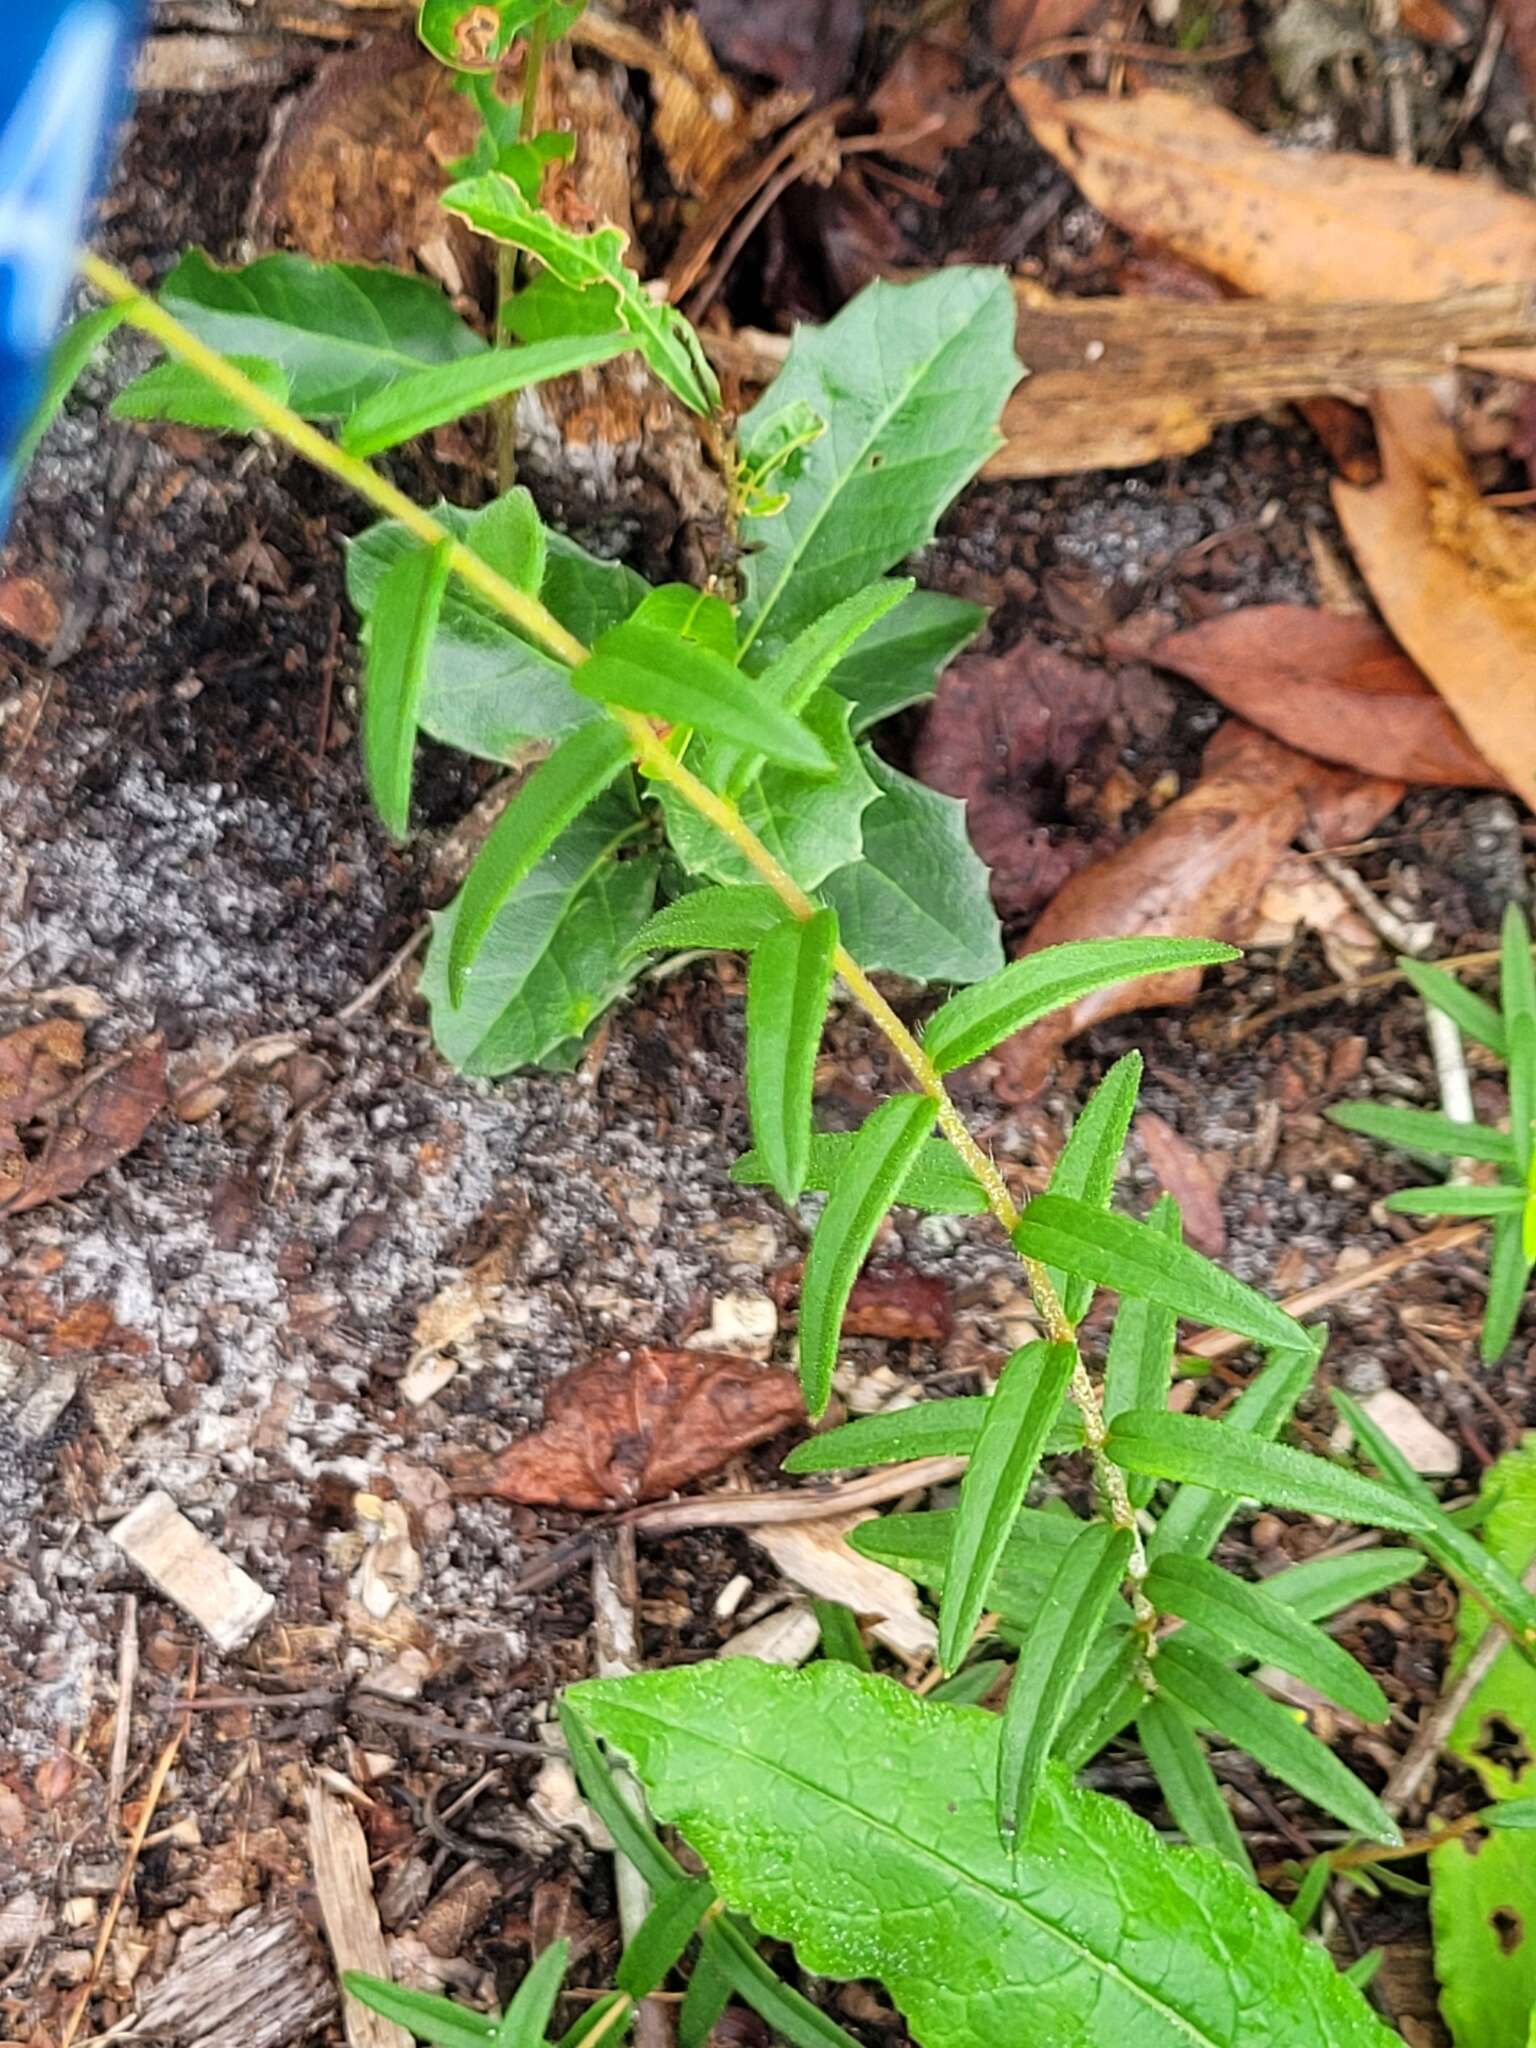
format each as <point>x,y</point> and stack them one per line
<point>701,122</point>
<point>921,103</point>
<point>29,608</point>
<point>806,45</point>
<point>897,1302</point>
<point>1026,738</point>
<point>1200,867</point>
<point>1339,688</point>
<point>636,1425</point>
<point>1017,25</point>
<point>37,1064</point>
<point>1455,580</point>
<point>105,1123</point>
<point>1186,1174</point>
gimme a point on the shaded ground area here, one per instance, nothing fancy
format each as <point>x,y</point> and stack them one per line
<point>228,1313</point>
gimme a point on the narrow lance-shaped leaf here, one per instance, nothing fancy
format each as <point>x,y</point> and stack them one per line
<point>557,790</point>
<point>982,1016</point>
<point>660,1939</point>
<point>421,2013</point>
<point>1423,1130</point>
<point>1184,1775</point>
<point>1320,1586</point>
<point>1115,1252</point>
<point>1018,1420</point>
<point>524,2021</point>
<point>1051,1661</point>
<point>930,1429</point>
<point>173,391</point>
<point>1522,1087</point>
<point>1193,1447</point>
<point>1477,1019</point>
<point>869,1183</point>
<point>840,1637</point>
<point>1250,1621</point>
<point>1089,1161</point>
<point>1458,1554</point>
<point>1088,1931</point>
<point>400,629</point>
<point>938,1180</point>
<point>643,668</point>
<point>1509,1272</point>
<point>1194,1519</point>
<point>719,920</point>
<point>1139,1361</point>
<point>1456,1200</point>
<point>1232,1706</point>
<point>447,391</point>
<point>67,361</point>
<point>787,989</point>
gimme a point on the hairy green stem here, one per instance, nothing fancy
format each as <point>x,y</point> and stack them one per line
<point>657,761</point>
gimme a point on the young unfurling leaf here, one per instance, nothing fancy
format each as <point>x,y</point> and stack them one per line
<point>400,630</point>
<point>1018,1419</point>
<point>868,1184</point>
<point>1089,1161</point>
<point>787,989</point>
<point>1051,1661</point>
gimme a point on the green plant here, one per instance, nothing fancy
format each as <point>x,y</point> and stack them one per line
<point>933,1844</point>
<point>1509,1199</point>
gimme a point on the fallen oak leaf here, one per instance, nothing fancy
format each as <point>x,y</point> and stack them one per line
<point>104,1123</point>
<point>1336,687</point>
<point>1201,866</point>
<point>1455,580</point>
<point>635,1425</point>
<point>37,1064</point>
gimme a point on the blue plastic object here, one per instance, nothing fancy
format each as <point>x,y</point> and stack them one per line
<point>63,68</point>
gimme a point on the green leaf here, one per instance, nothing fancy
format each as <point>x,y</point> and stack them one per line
<point>788,987</point>
<point>1509,1273</point>
<point>339,331</point>
<point>1134,1259</point>
<point>1423,1130</point>
<point>1139,1360</point>
<point>911,380</point>
<point>1516,1813</point>
<point>1089,1932</point>
<point>455,30</point>
<point>555,793</point>
<point>707,1996</point>
<point>898,661</point>
<point>1089,1161</point>
<point>979,1018</point>
<point>938,1180</point>
<point>724,920</point>
<point>596,2018</point>
<point>1517,969</point>
<point>970,1685</point>
<point>1213,1454</point>
<point>1187,1782</point>
<point>693,615</point>
<point>1477,1019</point>
<point>494,206</point>
<point>918,900</point>
<point>524,2021</point>
<point>421,2013</point>
<point>1522,1086</point>
<point>840,1638</point>
<point>1018,1419</point>
<point>1483,1912</point>
<point>1455,1200</point>
<point>930,1429</point>
<point>1232,1706</point>
<point>555,957</point>
<point>1250,1622</point>
<point>811,824</point>
<point>869,1183</point>
<point>1457,1553</point>
<point>448,391</point>
<point>919,1547</point>
<point>172,391</point>
<point>777,458</point>
<point>1194,1519</point>
<point>66,363</point>
<point>1310,1892</point>
<point>647,669</point>
<point>1504,1701</point>
<point>1320,1586</point>
<point>1110,1699</point>
<point>659,1941</point>
<point>1051,1661</point>
<point>400,630</point>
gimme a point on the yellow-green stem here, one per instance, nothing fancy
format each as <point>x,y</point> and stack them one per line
<point>657,761</point>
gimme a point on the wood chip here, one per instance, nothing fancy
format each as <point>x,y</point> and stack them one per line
<point>1428,1449</point>
<point>193,1573</point>
<point>260,1982</point>
<point>338,1854</point>
<point>787,1637</point>
<point>818,1557</point>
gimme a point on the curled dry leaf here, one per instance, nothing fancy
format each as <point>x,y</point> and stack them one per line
<point>636,1425</point>
<point>1200,867</point>
<point>1281,223</point>
<point>1455,579</point>
<point>1339,688</point>
<point>106,1122</point>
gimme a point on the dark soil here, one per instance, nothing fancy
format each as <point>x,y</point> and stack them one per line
<point>228,1313</point>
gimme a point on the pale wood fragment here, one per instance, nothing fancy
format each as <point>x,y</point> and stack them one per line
<point>181,1562</point>
<point>338,1855</point>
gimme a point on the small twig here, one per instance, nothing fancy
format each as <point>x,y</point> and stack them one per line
<point>327,685</point>
<point>357,1702</point>
<point>1141,53</point>
<point>1336,991</point>
<point>367,997</point>
<point>122,1724</point>
<point>1363,1856</point>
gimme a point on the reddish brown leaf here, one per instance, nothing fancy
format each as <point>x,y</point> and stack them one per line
<point>895,1301</point>
<point>921,104</point>
<point>808,45</point>
<point>29,608</point>
<point>1018,25</point>
<point>1188,1176</point>
<point>1027,738</point>
<point>635,1425</point>
<point>1198,870</point>
<point>37,1064</point>
<point>108,1121</point>
<point>1339,688</point>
